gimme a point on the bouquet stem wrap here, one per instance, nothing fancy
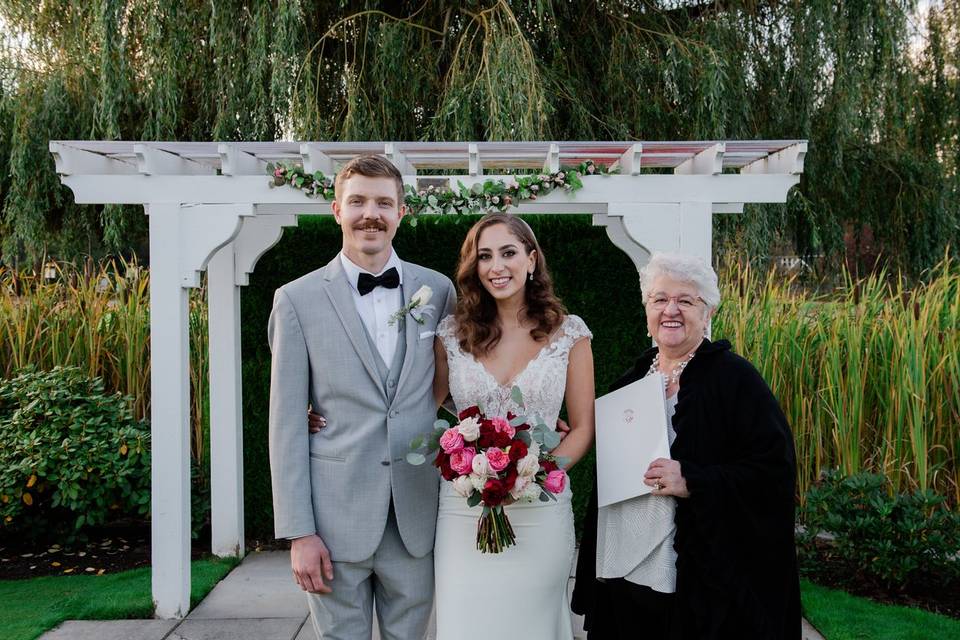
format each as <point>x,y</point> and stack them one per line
<point>494,531</point>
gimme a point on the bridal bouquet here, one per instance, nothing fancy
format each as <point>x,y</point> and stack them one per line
<point>494,461</point>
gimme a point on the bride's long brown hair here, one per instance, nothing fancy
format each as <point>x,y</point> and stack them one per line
<point>478,329</point>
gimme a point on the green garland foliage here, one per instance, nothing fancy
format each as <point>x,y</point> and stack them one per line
<point>582,262</point>
<point>880,105</point>
<point>490,195</point>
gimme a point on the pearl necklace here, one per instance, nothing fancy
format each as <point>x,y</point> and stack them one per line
<point>675,374</point>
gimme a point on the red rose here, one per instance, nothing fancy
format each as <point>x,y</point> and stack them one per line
<point>548,466</point>
<point>511,478</point>
<point>502,440</point>
<point>443,463</point>
<point>488,435</point>
<point>493,492</point>
<point>473,411</point>
<point>517,450</point>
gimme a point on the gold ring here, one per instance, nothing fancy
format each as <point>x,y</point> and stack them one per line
<point>657,485</point>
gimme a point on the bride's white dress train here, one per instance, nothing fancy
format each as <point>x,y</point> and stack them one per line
<point>521,592</point>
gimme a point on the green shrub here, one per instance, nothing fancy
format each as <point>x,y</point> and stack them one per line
<point>71,455</point>
<point>894,538</point>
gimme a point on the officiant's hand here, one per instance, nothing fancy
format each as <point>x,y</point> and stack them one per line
<point>665,478</point>
<point>562,428</point>
<point>315,421</point>
<point>310,561</point>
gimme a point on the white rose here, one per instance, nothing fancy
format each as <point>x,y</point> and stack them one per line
<point>477,481</point>
<point>469,428</point>
<point>422,296</point>
<point>528,466</point>
<point>463,486</point>
<point>481,466</point>
<point>531,493</point>
<point>518,487</point>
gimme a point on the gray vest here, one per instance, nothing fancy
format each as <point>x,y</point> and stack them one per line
<point>389,375</point>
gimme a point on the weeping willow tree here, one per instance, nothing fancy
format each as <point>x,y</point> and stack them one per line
<point>871,83</point>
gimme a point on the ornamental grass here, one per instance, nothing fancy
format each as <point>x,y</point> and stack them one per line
<point>867,374</point>
<point>97,317</point>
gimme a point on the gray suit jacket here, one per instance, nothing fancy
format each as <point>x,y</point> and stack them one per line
<point>338,483</point>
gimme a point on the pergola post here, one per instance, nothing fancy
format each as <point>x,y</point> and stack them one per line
<point>226,411</point>
<point>182,241</point>
<point>228,270</point>
<point>169,417</point>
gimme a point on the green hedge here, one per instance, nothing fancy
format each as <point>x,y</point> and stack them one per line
<point>595,280</point>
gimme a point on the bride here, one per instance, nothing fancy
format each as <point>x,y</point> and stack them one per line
<point>509,329</point>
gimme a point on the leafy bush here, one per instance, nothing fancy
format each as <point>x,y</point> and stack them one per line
<point>71,455</point>
<point>894,538</point>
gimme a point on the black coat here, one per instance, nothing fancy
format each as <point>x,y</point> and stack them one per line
<point>736,561</point>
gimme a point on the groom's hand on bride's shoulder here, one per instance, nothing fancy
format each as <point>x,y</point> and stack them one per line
<point>315,421</point>
<point>562,428</point>
<point>310,561</point>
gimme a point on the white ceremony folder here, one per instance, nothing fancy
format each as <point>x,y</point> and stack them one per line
<point>631,433</point>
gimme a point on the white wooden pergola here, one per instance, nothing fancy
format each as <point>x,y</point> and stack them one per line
<point>211,207</point>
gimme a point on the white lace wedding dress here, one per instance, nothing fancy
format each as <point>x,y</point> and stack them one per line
<point>521,592</point>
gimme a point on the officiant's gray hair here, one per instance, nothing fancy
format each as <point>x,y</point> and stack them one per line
<point>684,268</point>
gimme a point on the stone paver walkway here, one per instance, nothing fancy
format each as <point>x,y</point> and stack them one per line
<point>257,601</point>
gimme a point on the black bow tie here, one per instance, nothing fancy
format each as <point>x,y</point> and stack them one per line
<point>367,282</point>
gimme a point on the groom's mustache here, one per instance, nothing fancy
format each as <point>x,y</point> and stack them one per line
<point>370,224</point>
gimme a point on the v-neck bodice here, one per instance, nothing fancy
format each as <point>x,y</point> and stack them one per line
<point>543,380</point>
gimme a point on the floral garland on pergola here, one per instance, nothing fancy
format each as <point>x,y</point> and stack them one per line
<point>491,195</point>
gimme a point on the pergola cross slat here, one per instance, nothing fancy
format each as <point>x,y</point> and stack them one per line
<point>211,207</point>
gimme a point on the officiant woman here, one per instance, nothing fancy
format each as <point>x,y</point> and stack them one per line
<point>710,553</point>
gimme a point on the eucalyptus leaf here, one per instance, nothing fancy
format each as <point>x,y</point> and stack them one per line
<point>517,396</point>
<point>415,458</point>
<point>474,499</point>
<point>551,439</point>
<point>441,424</point>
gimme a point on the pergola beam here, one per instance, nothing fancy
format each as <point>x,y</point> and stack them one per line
<point>788,160</point>
<point>143,189</point>
<point>154,162</point>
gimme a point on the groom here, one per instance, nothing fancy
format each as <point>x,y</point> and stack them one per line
<point>351,340</point>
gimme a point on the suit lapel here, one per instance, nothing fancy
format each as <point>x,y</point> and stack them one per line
<point>411,283</point>
<point>341,297</point>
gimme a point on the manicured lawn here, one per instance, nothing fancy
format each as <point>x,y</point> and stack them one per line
<point>840,616</point>
<point>30,607</point>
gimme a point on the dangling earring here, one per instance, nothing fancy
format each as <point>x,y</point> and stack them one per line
<point>530,276</point>
<point>648,333</point>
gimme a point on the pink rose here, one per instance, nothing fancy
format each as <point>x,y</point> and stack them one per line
<point>461,460</point>
<point>451,440</point>
<point>556,481</point>
<point>498,459</point>
<point>502,425</point>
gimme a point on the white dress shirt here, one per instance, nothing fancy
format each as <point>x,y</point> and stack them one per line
<point>376,307</point>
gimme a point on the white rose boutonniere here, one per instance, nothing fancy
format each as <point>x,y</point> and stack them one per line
<point>417,307</point>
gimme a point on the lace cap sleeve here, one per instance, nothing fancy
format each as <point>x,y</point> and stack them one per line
<point>575,329</point>
<point>447,332</point>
